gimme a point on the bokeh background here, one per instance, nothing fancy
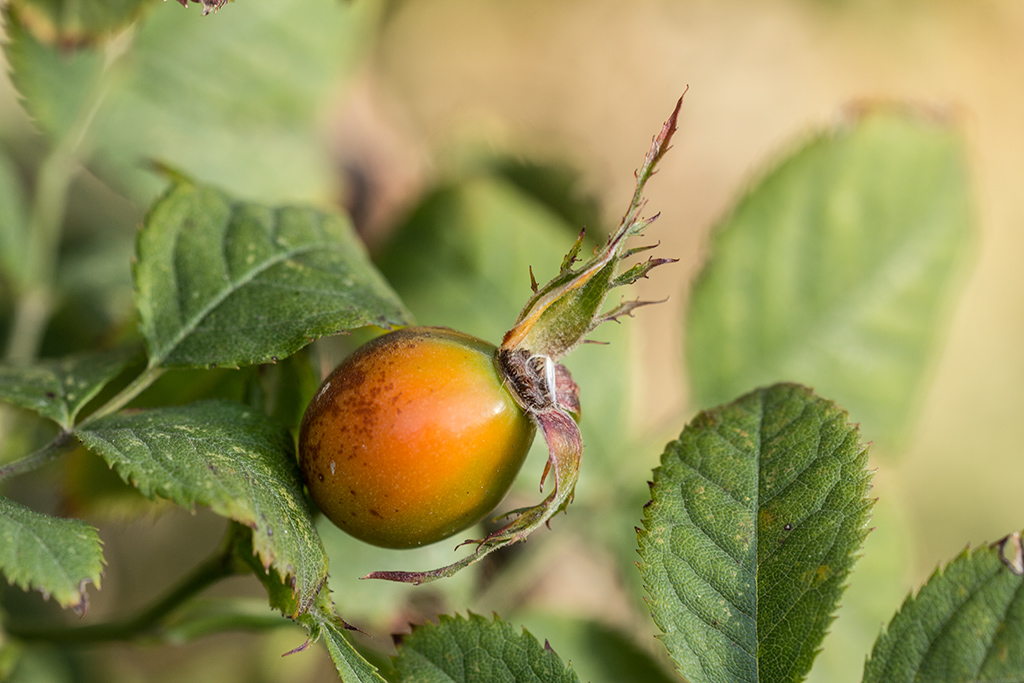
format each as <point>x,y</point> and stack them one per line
<point>434,85</point>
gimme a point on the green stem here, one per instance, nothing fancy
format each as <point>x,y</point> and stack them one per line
<point>65,441</point>
<point>48,453</point>
<point>220,615</point>
<point>37,300</point>
<point>146,623</point>
<point>125,396</point>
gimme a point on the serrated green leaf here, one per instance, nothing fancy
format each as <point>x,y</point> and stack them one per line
<point>206,88</point>
<point>351,665</point>
<point>601,653</point>
<point>836,269</point>
<point>965,624</point>
<point>230,458</point>
<point>56,87</point>
<point>476,650</point>
<point>59,388</point>
<point>877,586</point>
<point>71,22</point>
<point>59,557</point>
<point>221,282</point>
<point>756,514</point>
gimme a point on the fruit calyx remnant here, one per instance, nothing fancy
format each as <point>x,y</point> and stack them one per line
<point>537,382</point>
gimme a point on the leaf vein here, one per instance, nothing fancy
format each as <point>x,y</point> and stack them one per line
<point>193,323</point>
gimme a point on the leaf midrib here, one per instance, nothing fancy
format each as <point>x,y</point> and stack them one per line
<point>192,324</point>
<point>817,328</point>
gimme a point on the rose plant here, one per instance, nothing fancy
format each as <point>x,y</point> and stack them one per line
<point>215,392</point>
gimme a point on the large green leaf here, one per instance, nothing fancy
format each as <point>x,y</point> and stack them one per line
<point>476,650</point>
<point>836,269</point>
<point>60,557</point>
<point>231,458</point>
<point>877,585</point>
<point>756,514</point>
<point>221,282</point>
<point>58,388</point>
<point>965,624</point>
<point>199,92</point>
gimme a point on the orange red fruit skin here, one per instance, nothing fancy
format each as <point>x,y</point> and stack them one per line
<point>413,438</point>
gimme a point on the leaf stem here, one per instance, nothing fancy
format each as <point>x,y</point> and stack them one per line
<point>37,300</point>
<point>221,565</point>
<point>64,441</point>
<point>48,453</point>
<point>125,396</point>
<point>36,303</point>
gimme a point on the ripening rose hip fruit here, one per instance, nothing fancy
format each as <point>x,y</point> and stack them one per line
<point>413,438</point>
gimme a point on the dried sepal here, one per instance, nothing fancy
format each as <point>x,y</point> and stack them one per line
<point>208,5</point>
<point>625,308</point>
<point>640,270</point>
<point>561,313</point>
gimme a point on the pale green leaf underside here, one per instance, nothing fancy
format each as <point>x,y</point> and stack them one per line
<point>230,458</point>
<point>59,557</point>
<point>477,650</point>
<point>965,624</point>
<point>58,388</point>
<point>835,270</point>
<point>757,512</point>
<point>350,664</point>
<point>220,282</point>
